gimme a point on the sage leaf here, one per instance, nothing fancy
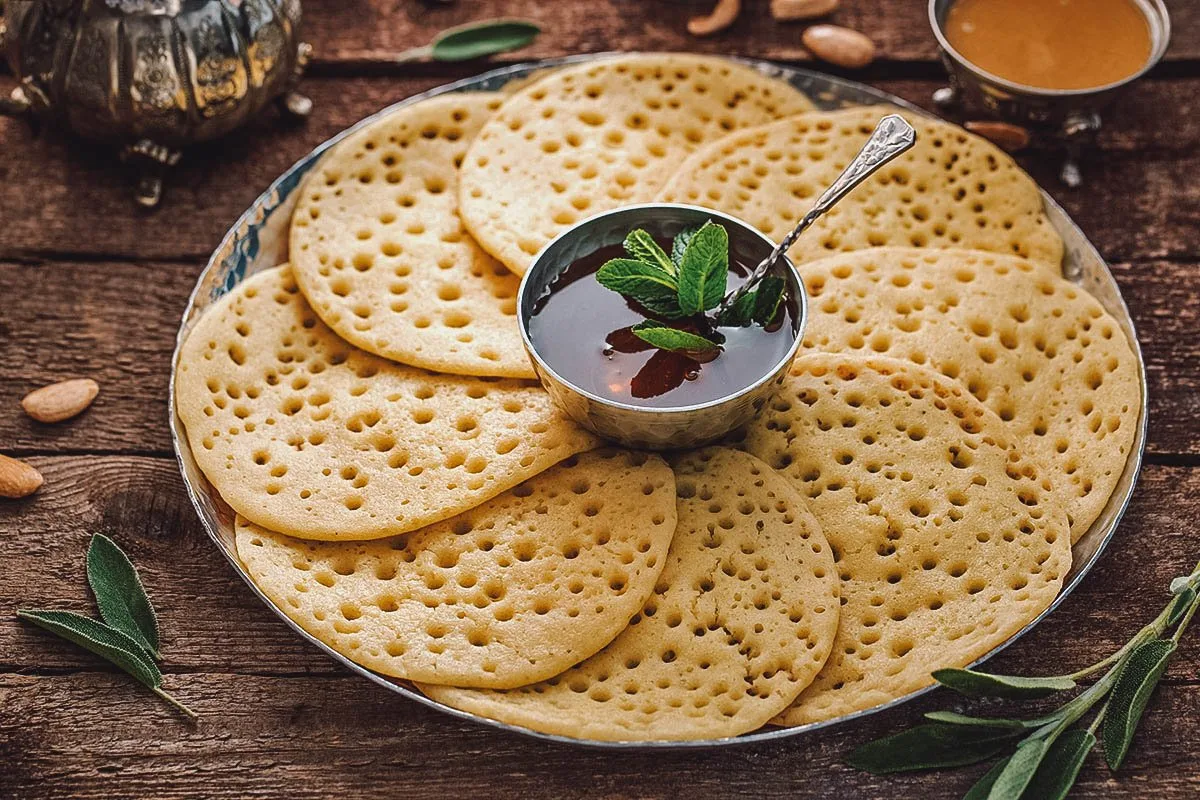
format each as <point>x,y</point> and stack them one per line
<point>480,39</point>
<point>673,339</point>
<point>106,642</point>
<point>641,245</point>
<point>981,789</point>
<point>704,269</point>
<point>679,245</point>
<point>954,718</point>
<point>1181,584</point>
<point>929,747</point>
<point>741,313</point>
<point>1140,673</point>
<point>767,299</point>
<point>1010,784</point>
<point>980,684</point>
<point>648,286</point>
<point>109,643</point>
<point>1180,605</point>
<point>1058,771</point>
<point>119,593</point>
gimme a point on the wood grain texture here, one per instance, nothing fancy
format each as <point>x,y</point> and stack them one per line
<point>384,28</point>
<point>61,188</point>
<point>89,287</point>
<point>116,322</point>
<point>212,622</point>
<point>322,737</point>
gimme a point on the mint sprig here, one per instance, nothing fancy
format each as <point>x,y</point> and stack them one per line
<point>1044,753</point>
<point>686,284</point>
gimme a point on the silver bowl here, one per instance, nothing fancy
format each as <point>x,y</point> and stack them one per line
<point>1071,114</point>
<point>641,426</point>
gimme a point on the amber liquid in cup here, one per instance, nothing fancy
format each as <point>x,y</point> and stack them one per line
<point>1052,44</point>
<point>582,330</point>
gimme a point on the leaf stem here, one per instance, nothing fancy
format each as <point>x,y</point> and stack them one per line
<point>1187,618</point>
<point>158,690</point>
<point>1095,723</point>
<point>413,54</point>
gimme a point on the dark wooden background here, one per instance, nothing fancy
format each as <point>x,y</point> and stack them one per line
<point>91,287</point>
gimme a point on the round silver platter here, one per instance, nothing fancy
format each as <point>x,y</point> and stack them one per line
<point>259,241</point>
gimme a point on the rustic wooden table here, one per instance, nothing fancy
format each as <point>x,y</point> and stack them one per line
<point>90,287</point>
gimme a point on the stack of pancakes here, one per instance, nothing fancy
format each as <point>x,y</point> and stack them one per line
<point>405,492</point>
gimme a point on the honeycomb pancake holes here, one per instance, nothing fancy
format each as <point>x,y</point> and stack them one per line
<point>301,432</point>
<point>1038,350</point>
<point>511,592</point>
<point>952,189</point>
<point>946,540</point>
<point>380,253</point>
<point>595,136</point>
<point>742,618</point>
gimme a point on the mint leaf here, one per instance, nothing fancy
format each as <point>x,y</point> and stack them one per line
<point>647,285</point>
<point>704,269</point>
<point>119,593</point>
<point>767,299</point>
<point>741,313</point>
<point>679,245</point>
<point>673,339</point>
<point>641,246</point>
<point>479,39</point>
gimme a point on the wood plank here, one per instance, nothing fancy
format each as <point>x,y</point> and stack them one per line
<point>1140,201</point>
<point>384,28</point>
<point>116,322</point>
<point>322,737</point>
<point>212,622</point>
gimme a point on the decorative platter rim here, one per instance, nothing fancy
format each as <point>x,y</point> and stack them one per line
<point>258,241</point>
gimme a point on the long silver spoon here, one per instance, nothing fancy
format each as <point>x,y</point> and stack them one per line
<point>891,137</point>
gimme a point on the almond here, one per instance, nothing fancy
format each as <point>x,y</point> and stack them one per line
<point>60,401</point>
<point>789,10</point>
<point>840,46</point>
<point>1002,134</point>
<point>17,479</point>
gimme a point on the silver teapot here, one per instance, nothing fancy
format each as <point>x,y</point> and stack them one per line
<point>152,76</point>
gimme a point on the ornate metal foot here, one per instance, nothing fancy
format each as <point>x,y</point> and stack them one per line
<point>16,104</point>
<point>946,97</point>
<point>291,101</point>
<point>151,162</point>
<point>1078,131</point>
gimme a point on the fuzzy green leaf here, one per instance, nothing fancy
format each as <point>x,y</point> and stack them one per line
<point>767,299</point>
<point>1139,675</point>
<point>641,246</point>
<point>1180,604</point>
<point>649,286</point>
<point>1181,584</point>
<point>704,269</point>
<point>980,684</point>
<point>930,747</point>
<point>679,245</point>
<point>954,718</point>
<point>1010,784</point>
<point>981,789</point>
<point>1057,774</point>
<point>673,339</point>
<point>480,39</point>
<point>741,313</point>
<point>119,593</point>
<point>102,640</point>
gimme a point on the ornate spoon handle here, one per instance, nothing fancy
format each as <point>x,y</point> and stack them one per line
<point>892,136</point>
